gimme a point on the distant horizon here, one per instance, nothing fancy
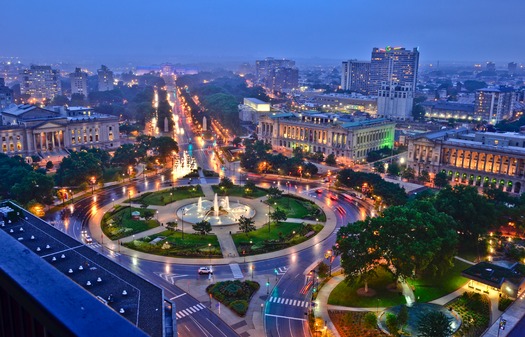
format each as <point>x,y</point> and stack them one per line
<point>99,31</point>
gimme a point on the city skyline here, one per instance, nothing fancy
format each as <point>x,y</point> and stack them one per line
<point>232,30</point>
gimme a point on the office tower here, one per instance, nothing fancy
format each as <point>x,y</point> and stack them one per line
<point>105,79</point>
<point>395,100</point>
<point>78,82</point>
<point>512,67</point>
<point>6,95</point>
<point>494,105</point>
<point>491,66</point>
<point>355,76</point>
<point>277,75</point>
<point>393,64</point>
<point>40,82</point>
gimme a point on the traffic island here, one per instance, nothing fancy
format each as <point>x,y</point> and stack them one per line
<point>235,295</point>
<point>124,221</point>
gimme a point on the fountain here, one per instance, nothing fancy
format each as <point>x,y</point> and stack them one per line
<point>215,205</point>
<point>183,165</point>
<point>408,293</point>
<point>199,205</point>
<point>217,212</point>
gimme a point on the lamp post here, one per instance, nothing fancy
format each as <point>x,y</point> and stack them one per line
<point>268,197</point>
<point>182,222</point>
<point>129,195</point>
<point>328,255</point>
<point>209,252</point>
<point>251,267</point>
<point>93,181</point>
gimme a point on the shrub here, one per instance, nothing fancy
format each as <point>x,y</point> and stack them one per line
<point>504,303</point>
<point>239,306</point>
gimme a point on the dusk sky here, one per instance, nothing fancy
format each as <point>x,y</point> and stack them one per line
<point>180,31</point>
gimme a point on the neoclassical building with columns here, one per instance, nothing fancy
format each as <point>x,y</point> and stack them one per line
<point>474,158</point>
<point>348,139</point>
<point>28,130</point>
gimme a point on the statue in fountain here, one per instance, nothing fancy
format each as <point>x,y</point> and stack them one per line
<point>216,205</point>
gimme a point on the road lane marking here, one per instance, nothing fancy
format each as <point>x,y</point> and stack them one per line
<point>286,317</point>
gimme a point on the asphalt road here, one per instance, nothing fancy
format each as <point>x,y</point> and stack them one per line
<point>286,304</point>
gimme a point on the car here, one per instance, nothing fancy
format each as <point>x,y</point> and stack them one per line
<point>319,191</point>
<point>88,239</point>
<point>334,196</point>
<point>205,270</point>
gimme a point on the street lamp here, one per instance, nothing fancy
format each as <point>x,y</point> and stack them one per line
<point>182,222</point>
<point>93,181</point>
<point>251,267</point>
<point>209,251</point>
<point>268,197</point>
<point>328,255</point>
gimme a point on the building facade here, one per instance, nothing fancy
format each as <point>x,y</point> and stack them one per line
<point>277,75</point>
<point>6,95</point>
<point>475,158</point>
<point>40,83</point>
<point>314,132</point>
<point>30,130</point>
<point>446,110</point>
<point>105,79</point>
<point>355,76</point>
<point>395,100</point>
<point>79,82</point>
<point>251,108</point>
<point>393,64</point>
<point>494,105</point>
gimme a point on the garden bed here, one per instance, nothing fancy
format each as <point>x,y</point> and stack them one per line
<point>172,244</point>
<point>167,196</point>
<point>118,223</point>
<point>280,236</point>
<point>236,295</point>
<point>474,310</point>
<point>352,324</point>
<point>240,191</point>
<point>299,208</point>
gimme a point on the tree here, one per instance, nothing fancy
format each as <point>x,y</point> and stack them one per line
<point>237,141</point>
<point>278,215</point>
<point>33,186</point>
<point>394,169</point>
<point>298,152</point>
<point>330,160</point>
<point>473,213</point>
<point>418,112</point>
<point>172,225</point>
<point>379,166</point>
<point>408,173</point>
<point>424,177</point>
<point>49,165</point>
<point>434,324</point>
<point>322,270</point>
<point>165,146</point>
<point>370,320</point>
<point>246,224</point>
<point>274,193</point>
<point>203,227</point>
<point>225,183</point>
<point>148,214</point>
<point>441,180</point>
<point>392,324</point>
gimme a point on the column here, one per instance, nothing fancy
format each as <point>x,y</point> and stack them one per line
<point>47,142</point>
<point>53,139</point>
<point>485,162</point>
<point>34,142</point>
<point>508,164</point>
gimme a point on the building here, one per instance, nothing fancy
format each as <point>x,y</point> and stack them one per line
<point>491,67</point>
<point>30,130</point>
<point>446,110</point>
<point>501,276</point>
<point>494,105</point>
<point>355,76</point>
<point>53,285</point>
<point>345,102</point>
<point>336,134</point>
<point>277,75</point>
<point>6,95</point>
<point>393,64</point>
<point>474,158</point>
<point>40,83</point>
<point>105,79</point>
<point>79,82</point>
<point>512,67</point>
<point>395,100</point>
<point>250,110</point>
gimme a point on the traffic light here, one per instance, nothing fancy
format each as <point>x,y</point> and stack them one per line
<point>314,290</point>
<point>275,271</point>
<point>268,283</point>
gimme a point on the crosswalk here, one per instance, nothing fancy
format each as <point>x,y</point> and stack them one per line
<point>189,311</point>
<point>288,301</point>
<point>236,270</point>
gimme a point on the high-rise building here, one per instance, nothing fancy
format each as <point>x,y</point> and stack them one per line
<point>105,79</point>
<point>355,76</point>
<point>395,64</point>
<point>395,100</point>
<point>512,67</point>
<point>491,66</point>
<point>79,82</point>
<point>494,105</point>
<point>6,95</point>
<point>277,75</point>
<point>40,82</point>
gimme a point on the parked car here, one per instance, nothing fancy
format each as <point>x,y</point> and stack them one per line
<point>319,191</point>
<point>205,270</point>
<point>88,239</point>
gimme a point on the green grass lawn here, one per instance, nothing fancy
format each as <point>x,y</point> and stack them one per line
<point>119,224</point>
<point>299,208</point>
<point>240,191</point>
<point>427,289</point>
<point>193,245</point>
<point>170,195</point>
<point>278,237</point>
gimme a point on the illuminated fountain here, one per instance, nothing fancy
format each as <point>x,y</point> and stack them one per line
<point>183,165</point>
<point>217,212</point>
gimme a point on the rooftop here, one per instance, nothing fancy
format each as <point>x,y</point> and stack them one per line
<point>97,275</point>
<point>492,274</point>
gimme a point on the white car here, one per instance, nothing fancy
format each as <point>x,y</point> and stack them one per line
<point>205,270</point>
<point>88,239</point>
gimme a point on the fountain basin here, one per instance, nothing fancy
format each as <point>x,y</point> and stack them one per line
<point>415,312</point>
<point>229,212</point>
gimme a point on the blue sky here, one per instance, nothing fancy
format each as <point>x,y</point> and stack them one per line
<point>157,30</point>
